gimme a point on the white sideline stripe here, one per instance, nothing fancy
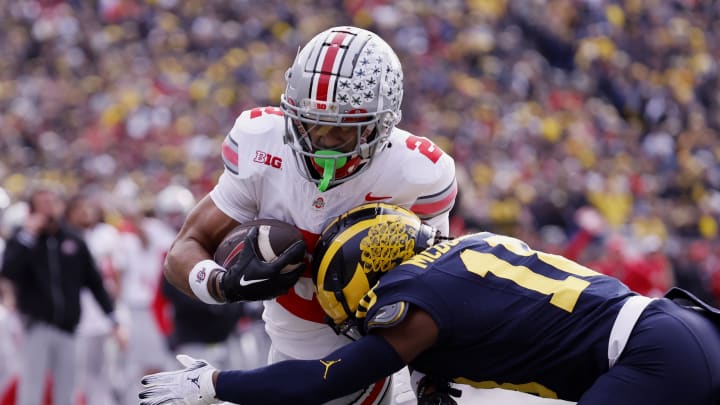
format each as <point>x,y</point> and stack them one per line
<point>624,324</point>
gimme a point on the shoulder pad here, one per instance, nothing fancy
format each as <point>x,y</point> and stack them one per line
<point>421,161</point>
<point>431,171</point>
<point>258,120</point>
<point>259,129</point>
<point>388,315</point>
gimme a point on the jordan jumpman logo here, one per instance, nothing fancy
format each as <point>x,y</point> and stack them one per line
<point>327,365</point>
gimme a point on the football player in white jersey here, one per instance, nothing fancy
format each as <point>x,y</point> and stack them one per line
<point>332,145</point>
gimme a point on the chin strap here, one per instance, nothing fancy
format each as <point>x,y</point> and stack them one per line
<point>329,165</point>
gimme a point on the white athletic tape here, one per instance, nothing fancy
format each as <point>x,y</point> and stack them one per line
<point>198,279</point>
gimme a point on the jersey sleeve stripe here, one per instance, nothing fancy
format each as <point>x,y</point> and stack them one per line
<point>436,204</point>
<point>380,387</point>
<point>230,154</point>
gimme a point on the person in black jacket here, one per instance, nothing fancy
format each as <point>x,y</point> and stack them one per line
<point>48,264</point>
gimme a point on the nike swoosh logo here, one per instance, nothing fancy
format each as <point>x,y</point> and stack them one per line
<point>245,283</point>
<point>370,197</point>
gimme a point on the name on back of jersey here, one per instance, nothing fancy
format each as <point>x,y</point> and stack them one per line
<point>431,254</point>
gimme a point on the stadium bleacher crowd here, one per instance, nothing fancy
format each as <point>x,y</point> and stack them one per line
<point>587,126</point>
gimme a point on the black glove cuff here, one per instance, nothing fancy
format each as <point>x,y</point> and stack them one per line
<point>214,285</point>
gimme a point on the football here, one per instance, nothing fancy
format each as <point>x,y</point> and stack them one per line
<point>274,236</point>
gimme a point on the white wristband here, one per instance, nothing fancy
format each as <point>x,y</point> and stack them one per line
<point>199,277</point>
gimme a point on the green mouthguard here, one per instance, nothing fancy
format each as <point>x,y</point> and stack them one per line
<point>329,165</point>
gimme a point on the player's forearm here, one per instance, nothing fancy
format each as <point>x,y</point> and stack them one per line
<point>180,260</point>
<point>347,370</point>
<point>203,230</point>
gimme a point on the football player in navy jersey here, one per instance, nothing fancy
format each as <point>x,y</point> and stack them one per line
<point>484,310</point>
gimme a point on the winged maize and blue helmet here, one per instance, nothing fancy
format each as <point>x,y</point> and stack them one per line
<point>343,77</point>
<point>356,249</point>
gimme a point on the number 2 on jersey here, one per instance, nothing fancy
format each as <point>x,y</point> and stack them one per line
<point>257,112</point>
<point>565,292</point>
<point>425,147</point>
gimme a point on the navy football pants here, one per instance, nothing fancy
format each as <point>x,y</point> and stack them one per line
<point>672,357</point>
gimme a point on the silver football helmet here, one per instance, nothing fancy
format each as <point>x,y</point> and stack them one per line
<point>173,204</point>
<point>344,77</point>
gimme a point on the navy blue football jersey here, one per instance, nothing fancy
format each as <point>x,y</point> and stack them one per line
<point>508,316</point>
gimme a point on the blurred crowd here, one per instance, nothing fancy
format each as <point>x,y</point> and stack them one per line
<point>589,127</point>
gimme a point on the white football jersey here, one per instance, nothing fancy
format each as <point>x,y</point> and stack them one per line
<point>262,180</point>
<point>142,265</point>
<point>11,359</point>
<point>102,240</point>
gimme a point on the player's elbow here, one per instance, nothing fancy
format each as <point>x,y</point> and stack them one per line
<point>170,270</point>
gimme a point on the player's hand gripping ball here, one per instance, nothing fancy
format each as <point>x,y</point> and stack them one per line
<point>264,258</point>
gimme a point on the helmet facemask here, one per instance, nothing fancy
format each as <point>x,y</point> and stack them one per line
<point>344,77</point>
<point>342,162</point>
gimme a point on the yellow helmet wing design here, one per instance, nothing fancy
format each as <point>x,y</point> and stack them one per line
<point>357,248</point>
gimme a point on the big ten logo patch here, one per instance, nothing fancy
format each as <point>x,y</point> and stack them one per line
<point>267,159</point>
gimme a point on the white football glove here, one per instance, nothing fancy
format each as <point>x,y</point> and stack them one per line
<point>192,385</point>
